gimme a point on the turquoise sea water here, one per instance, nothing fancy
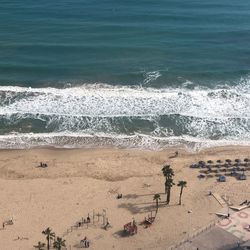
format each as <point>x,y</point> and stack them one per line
<point>146,73</point>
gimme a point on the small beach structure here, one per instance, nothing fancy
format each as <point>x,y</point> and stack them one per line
<point>242,177</point>
<point>130,228</point>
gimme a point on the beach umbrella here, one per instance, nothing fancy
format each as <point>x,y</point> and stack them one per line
<point>210,162</point>
<point>228,160</point>
<point>202,162</point>
<point>246,160</point>
<point>237,160</point>
<point>219,161</point>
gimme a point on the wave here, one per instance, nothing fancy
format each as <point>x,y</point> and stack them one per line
<point>109,101</point>
<point>139,141</point>
<point>125,115</point>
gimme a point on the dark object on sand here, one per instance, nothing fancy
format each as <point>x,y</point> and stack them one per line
<point>84,243</point>
<point>242,177</point>
<point>43,165</point>
<point>201,176</point>
<point>107,225</point>
<point>130,228</point>
<point>119,196</point>
<point>243,203</point>
<point>175,155</point>
<point>222,178</point>
<point>194,166</point>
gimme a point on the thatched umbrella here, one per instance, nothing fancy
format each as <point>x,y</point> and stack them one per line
<point>246,160</point>
<point>210,176</point>
<point>219,161</point>
<point>202,163</point>
<point>237,160</point>
<point>228,161</point>
<point>210,162</point>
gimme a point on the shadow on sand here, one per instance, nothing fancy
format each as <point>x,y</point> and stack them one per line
<point>137,209</point>
<point>121,234</point>
<point>135,196</point>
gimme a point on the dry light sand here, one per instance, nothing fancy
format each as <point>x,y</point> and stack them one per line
<point>79,181</point>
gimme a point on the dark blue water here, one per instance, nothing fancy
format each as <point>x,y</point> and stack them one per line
<point>125,73</point>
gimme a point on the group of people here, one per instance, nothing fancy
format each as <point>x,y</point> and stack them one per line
<point>84,221</point>
<point>85,242</point>
<point>43,165</point>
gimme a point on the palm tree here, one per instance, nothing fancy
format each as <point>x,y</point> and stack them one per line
<point>181,184</point>
<point>157,197</point>
<point>49,236</point>
<point>59,243</point>
<point>40,245</point>
<point>168,172</point>
<point>169,184</point>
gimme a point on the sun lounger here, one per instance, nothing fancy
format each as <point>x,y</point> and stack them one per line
<point>219,199</point>
<point>240,207</point>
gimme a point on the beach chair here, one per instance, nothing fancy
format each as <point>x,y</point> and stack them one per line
<point>130,228</point>
<point>242,177</point>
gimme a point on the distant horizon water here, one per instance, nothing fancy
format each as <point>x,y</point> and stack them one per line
<point>85,73</point>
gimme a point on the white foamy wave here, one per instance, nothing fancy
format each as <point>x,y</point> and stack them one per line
<point>151,116</point>
<point>125,101</point>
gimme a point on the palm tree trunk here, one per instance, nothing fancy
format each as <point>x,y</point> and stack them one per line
<point>168,195</point>
<point>180,196</point>
<point>48,247</point>
<point>156,207</point>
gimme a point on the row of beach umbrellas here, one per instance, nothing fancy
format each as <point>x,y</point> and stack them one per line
<point>246,160</point>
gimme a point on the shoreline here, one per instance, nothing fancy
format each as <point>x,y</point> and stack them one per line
<point>118,141</point>
<point>80,181</point>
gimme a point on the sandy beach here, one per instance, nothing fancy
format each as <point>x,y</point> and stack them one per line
<point>78,182</point>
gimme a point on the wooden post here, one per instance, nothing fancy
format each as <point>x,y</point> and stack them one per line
<point>103,219</point>
<point>104,216</point>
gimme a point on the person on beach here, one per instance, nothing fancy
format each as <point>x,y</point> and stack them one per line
<point>107,225</point>
<point>88,219</point>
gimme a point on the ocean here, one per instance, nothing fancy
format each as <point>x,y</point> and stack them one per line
<point>128,74</point>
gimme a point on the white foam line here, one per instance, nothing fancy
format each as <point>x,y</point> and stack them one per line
<point>136,141</point>
<point>125,101</point>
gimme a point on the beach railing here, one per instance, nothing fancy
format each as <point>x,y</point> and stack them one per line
<point>82,222</point>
